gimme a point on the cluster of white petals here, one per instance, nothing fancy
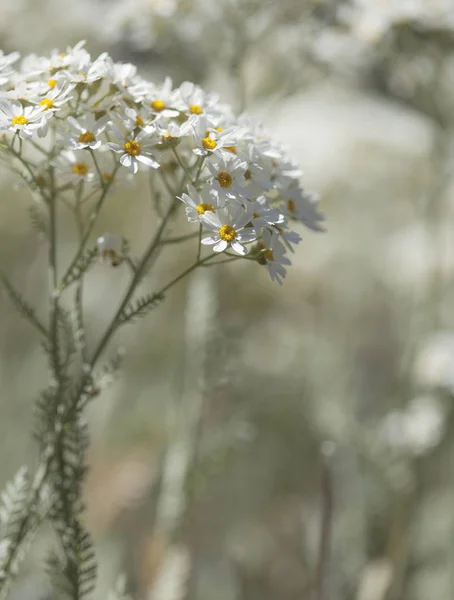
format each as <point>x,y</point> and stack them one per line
<point>100,122</point>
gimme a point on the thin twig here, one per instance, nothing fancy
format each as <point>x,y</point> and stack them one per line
<point>324,550</point>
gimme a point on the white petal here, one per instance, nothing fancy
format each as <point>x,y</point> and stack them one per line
<point>221,246</point>
<point>146,160</point>
<point>209,241</point>
<point>239,248</point>
<point>114,147</point>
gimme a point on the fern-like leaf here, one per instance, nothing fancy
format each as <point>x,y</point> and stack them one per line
<point>80,267</point>
<point>74,575</point>
<point>22,306</point>
<point>13,510</point>
<point>140,307</point>
<point>38,221</point>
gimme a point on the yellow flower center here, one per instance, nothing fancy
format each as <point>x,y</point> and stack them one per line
<point>255,215</point>
<point>19,120</point>
<point>225,179</point>
<point>132,148</point>
<point>158,105</point>
<point>139,121</point>
<point>208,143</point>
<point>219,129</point>
<point>268,254</point>
<point>80,168</point>
<point>231,149</point>
<point>86,137</point>
<point>195,109</point>
<point>291,206</point>
<point>227,233</point>
<point>107,176</point>
<point>203,208</point>
<point>47,103</point>
<point>52,83</point>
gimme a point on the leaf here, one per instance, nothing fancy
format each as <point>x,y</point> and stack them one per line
<point>80,267</point>
<point>140,307</point>
<point>73,576</point>
<point>38,220</point>
<point>22,306</point>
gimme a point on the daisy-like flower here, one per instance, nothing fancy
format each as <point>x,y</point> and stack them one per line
<point>199,203</point>
<point>62,60</point>
<point>212,141</point>
<point>85,132</point>
<point>273,253</point>
<point>109,248</point>
<point>21,90</point>
<point>263,216</point>
<point>74,167</point>
<point>133,118</point>
<point>194,101</point>
<point>135,149</point>
<point>229,227</point>
<point>22,120</point>
<point>6,62</point>
<point>85,71</point>
<point>228,177</point>
<point>162,100</point>
<point>301,206</point>
<point>56,97</point>
<point>123,74</point>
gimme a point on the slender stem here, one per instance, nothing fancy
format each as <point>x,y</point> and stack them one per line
<point>78,298</point>
<point>53,278</point>
<point>182,165</point>
<point>93,217</point>
<point>102,181</point>
<point>199,245</point>
<point>326,524</point>
<point>137,278</point>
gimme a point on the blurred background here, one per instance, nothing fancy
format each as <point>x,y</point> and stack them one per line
<point>265,442</point>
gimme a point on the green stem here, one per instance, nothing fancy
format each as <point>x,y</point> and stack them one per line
<point>93,217</point>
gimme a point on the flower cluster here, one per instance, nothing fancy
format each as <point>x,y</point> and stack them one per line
<point>92,121</point>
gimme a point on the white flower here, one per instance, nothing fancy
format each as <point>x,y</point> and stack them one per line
<point>6,62</point>
<point>198,103</point>
<point>22,120</point>
<point>85,71</point>
<point>62,60</point>
<point>75,167</point>
<point>274,255</point>
<point>263,216</point>
<point>110,247</point>
<point>162,100</point>
<point>123,74</point>
<point>135,149</point>
<point>302,207</point>
<point>85,132</point>
<point>198,203</point>
<point>173,131</point>
<point>228,176</point>
<point>229,225</point>
<point>56,97</point>
<point>211,141</point>
<point>132,118</point>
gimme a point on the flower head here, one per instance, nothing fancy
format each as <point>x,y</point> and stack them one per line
<point>229,227</point>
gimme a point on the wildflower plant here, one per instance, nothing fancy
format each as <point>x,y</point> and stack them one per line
<point>74,130</point>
